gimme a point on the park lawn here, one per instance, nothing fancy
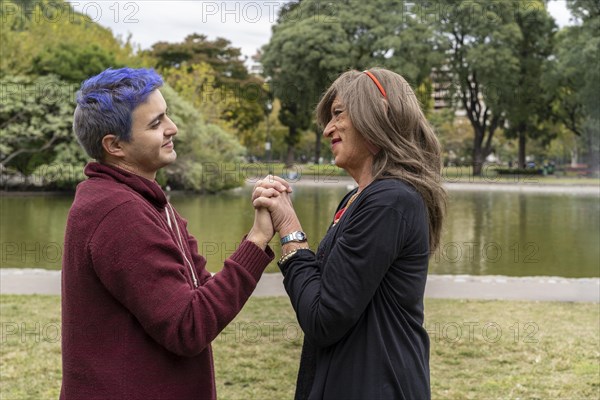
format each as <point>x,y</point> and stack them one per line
<point>479,350</point>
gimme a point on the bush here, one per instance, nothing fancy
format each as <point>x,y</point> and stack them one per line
<point>519,171</point>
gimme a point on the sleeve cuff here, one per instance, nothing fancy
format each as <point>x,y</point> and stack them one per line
<point>301,255</point>
<point>252,258</point>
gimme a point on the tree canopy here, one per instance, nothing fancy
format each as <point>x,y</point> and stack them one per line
<point>48,49</point>
<point>497,61</point>
<point>313,42</point>
<point>214,78</point>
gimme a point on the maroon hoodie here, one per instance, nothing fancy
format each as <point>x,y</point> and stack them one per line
<point>139,309</point>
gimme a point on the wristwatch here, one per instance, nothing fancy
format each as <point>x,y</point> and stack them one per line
<point>297,236</point>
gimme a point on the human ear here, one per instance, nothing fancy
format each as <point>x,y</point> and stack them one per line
<point>112,146</point>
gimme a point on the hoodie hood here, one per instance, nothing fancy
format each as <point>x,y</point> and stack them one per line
<point>148,189</point>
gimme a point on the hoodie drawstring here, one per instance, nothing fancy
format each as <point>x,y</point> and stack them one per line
<point>180,242</point>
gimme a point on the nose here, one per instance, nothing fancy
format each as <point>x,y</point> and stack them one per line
<point>171,129</point>
<point>328,131</point>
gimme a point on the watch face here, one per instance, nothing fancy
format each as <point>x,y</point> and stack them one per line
<point>294,237</point>
<point>300,236</point>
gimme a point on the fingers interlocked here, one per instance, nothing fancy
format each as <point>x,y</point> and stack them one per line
<point>270,186</point>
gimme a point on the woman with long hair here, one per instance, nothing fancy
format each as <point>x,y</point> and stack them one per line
<point>359,298</point>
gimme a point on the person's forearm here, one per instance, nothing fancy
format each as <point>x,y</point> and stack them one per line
<point>293,226</point>
<point>259,240</point>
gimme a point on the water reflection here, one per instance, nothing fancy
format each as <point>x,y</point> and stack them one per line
<point>487,233</point>
<point>519,234</point>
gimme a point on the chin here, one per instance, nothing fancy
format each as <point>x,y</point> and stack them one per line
<point>169,160</point>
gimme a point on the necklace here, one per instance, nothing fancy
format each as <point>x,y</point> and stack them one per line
<point>339,214</point>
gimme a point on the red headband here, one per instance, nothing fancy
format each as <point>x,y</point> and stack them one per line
<point>374,79</point>
<point>374,149</point>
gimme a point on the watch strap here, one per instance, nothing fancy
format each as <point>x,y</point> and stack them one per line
<point>297,236</point>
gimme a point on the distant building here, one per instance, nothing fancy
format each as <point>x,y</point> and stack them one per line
<point>441,82</point>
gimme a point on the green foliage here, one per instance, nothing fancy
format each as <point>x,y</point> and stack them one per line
<point>73,62</point>
<point>238,109</point>
<point>314,42</point>
<point>36,139</point>
<point>519,171</point>
<point>494,56</point>
<point>204,151</point>
<point>302,58</point>
<point>529,105</point>
<point>36,117</point>
<point>584,9</point>
<point>212,75</point>
<point>48,49</point>
<point>455,135</point>
<point>481,65</point>
<point>49,37</point>
<point>568,78</point>
<point>197,49</point>
<point>506,66</point>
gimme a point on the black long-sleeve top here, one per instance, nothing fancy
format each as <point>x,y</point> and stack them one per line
<point>359,300</point>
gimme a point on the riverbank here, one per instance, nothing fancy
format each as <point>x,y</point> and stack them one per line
<point>453,182</point>
<point>537,288</point>
<point>477,186</point>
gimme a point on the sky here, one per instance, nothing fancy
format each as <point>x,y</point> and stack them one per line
<point>245,23</point>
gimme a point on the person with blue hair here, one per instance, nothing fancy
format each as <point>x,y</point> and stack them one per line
<point>139,308</point>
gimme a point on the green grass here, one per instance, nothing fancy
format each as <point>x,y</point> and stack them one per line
<point>479,350</point>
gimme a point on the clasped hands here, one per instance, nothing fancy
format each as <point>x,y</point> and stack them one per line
<point>274,211</point>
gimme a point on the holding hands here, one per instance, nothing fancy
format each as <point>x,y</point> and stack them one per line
<point>274,211</point>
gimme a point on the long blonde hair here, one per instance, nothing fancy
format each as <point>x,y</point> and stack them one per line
<point>409,150</point>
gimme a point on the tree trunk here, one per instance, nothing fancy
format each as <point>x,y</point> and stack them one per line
<point>478,151</point>
<point>481,151</point>
<point>289,158</point>
<point>522,147</point>
<point>291,142</point>
<point>593,145</point>
<point>477,161</point>
<point>318,146</point>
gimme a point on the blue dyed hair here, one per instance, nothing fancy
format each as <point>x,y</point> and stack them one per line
<point>105,104</point>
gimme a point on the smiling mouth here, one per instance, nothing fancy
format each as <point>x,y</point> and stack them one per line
<point>170,142</point>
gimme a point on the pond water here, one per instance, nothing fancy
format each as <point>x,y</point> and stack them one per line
<point>486,233</point>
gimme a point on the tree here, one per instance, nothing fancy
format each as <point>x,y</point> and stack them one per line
<point>455,135</point>
<point>206,154</point>
<point>196,84</point>
<point>196,49</point>
<point>483,65</point>
<point>569,78</point>
<point>313,42</point>
<point>36,138</point>
<point>299,59</point>
<point>50,38</point>
<point>225,88</point>
<point>73,62</point>
<point>36,112</point>
<point>527,105</point>
<point>36,115</point>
